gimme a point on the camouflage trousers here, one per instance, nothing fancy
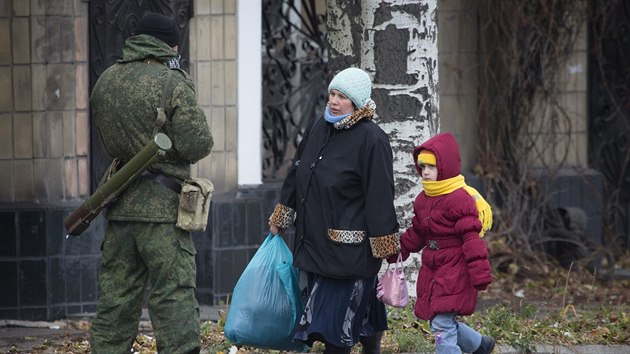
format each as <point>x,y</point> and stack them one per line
<point>133,253</point>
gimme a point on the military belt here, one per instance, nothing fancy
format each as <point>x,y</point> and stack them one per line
<point>166,181</point>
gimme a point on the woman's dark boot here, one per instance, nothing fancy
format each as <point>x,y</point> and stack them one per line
<point>333,349</point>
<point>371,344</point>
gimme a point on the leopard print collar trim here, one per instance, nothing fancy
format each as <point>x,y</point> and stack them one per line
<point>366,112</point>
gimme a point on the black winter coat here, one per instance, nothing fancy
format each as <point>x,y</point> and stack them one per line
<point>341,186</point>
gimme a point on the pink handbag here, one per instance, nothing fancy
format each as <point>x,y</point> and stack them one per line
<point>393,286</point>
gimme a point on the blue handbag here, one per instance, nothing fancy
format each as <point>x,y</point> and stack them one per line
<point>266,303</point>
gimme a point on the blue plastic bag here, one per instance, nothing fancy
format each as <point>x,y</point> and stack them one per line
<point>266,303</point>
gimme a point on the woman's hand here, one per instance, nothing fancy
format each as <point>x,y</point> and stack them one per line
<point>392,259</point>
<point>275,230</point>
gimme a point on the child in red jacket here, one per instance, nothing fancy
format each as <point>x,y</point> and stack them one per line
<point>455,262</point>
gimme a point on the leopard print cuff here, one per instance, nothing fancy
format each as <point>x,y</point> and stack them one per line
<point>385,246</point>
<point>346,236</point>
<point>282,216</point>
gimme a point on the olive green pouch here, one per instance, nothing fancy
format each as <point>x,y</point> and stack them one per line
<point>194,204</point>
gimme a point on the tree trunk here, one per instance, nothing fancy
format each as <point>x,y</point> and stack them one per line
<point>396,42</point>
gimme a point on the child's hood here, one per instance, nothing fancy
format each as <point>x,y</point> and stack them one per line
<point>446,151</point>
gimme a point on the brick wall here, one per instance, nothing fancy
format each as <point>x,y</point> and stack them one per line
<point>44,111</point>
<point>44,146</point>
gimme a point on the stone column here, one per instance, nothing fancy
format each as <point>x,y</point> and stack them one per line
<point>213,68</point>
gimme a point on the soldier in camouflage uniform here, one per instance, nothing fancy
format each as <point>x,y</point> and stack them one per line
<point>141,240</point>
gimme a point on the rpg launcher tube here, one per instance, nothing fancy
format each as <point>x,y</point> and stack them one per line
<point>80,219</point>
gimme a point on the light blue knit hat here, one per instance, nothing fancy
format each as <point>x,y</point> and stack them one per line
<point>354,83</point>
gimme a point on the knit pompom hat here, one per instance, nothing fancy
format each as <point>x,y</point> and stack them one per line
<point>354,83</point>
<point>159,26</point>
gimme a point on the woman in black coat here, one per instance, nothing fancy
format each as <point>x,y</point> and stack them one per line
<point>339,194</point>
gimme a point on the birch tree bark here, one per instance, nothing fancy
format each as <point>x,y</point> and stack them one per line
<point>395,41</point>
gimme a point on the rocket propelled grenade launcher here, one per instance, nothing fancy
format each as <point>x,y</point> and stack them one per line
<point>80,219</point>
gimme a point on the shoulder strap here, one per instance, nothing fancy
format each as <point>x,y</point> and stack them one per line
<point>161,111</point>
<point>113,168</point>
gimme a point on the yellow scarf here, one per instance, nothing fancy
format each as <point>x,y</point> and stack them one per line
<point>435,188</point>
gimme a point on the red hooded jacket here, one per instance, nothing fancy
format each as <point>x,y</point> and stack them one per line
<point>446,228</point>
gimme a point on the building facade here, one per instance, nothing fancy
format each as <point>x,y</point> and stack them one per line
<point>51,52</point>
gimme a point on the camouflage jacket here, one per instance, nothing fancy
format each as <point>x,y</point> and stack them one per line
<point>124,103</point>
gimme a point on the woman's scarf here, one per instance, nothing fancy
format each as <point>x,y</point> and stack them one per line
<point>347,121</point>
<point>334,119</point>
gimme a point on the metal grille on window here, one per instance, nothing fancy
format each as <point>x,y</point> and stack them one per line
<point>294,78</point>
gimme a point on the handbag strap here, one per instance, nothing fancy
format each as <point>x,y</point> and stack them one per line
<point>399,266</point>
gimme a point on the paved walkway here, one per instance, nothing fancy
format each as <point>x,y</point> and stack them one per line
<point>554,349</point>
<point>28,334</point>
